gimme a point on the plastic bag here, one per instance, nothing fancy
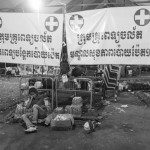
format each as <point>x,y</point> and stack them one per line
<point>64,78</point>
<point>20,110</point>
<point>38,84</point>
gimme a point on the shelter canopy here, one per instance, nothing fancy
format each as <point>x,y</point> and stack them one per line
<point>55,6</point>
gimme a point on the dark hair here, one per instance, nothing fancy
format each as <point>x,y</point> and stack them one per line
<point>33,90</point>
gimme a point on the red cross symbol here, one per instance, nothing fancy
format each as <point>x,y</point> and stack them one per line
<point>142,17</point>
<point>76,22</point>
<point>51,23</point>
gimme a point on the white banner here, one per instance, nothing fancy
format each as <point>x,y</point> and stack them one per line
<point>31,38</point>
<point>109,36</point>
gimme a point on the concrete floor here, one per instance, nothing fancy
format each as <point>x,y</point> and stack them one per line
<point>122,129</point>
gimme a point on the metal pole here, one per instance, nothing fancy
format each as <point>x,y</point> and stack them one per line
<point>52,93</point>
<point>5,69</point>
<point>139,70</point>
<point>56,93</point>
<point>91,101</point>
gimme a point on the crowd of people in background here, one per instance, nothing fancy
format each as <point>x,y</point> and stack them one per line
<point>23,70</point>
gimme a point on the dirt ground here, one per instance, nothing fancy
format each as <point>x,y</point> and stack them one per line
<point>9,92</point>
<point>121,129</point>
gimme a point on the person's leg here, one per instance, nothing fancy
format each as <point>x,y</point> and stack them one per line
<point>49,118</point>
<point>25,118</point>
<point>38,112</point>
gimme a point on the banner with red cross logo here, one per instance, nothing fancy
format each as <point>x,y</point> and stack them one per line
<point>31,38</point>
<point>109,36</point>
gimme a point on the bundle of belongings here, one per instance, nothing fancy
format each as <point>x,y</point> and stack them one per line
<point>62,122</point>
<point>75,108</point>
<point>21,109</point>
<point>90,126</point>
<point>65,117</point>
<point>31,83</point>
<point>38,84</point>
<point>15,115</point>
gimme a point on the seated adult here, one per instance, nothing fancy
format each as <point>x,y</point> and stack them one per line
<point>38,110</point>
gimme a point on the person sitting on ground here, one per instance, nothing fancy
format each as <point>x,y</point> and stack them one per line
<point>38,110</point>
<point>26,104</point>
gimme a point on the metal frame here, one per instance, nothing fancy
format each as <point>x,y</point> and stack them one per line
<point>88,79</point>
<point>40,77</point>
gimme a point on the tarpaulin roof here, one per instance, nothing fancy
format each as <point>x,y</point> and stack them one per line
<point>55,6</point>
